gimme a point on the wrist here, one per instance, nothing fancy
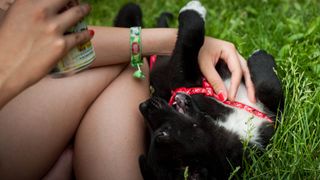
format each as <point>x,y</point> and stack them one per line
<point>159,41</point>
<point>136,49</point>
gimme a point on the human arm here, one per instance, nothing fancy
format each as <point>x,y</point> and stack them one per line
<point>112,47</point>
<point>112,44</point>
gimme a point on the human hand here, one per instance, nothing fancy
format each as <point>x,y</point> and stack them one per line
<point>212,51</point>
<point>33,40</point>
<point>5,4</point>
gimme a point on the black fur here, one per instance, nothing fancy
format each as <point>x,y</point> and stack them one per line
<point>129,15</point>
<point>163,20</point>
<point>192,138</point>
<point>268,87</point>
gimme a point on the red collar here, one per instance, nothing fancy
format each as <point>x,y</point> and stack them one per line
<point>207,90</point>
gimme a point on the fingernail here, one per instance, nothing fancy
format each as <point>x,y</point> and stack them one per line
<point>91,32</point>
<point>222,97</point>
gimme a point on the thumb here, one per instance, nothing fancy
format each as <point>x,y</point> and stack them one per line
<point>210,73</point>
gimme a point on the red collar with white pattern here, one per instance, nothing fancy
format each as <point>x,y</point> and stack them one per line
<point>207,90</point>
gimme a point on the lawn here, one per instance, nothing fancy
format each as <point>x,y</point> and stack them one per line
<point>290,31</point>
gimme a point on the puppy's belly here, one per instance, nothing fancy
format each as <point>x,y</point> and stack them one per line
<point>241,122</point>
<point>242,96</point>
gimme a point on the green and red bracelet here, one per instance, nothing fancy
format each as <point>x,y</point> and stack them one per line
<point>136,49</point>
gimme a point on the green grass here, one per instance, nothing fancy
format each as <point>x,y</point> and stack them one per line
<point>290,31</point>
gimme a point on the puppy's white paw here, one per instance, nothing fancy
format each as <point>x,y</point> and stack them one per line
<point>256,51</point>
<point>196,6</point>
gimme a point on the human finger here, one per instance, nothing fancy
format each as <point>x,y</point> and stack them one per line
<point>247,79</point>
<point>74,39</point>
<point>53,7</point>
<point>208,70</point>
<point>5,4</point>
<point>70,17</point>
<point>229,55</point>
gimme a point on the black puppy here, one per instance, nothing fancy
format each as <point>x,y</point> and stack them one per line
<point>198,131</point>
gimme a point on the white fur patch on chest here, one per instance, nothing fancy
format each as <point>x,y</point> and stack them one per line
<point>241,122</point>
<point>244,124</point>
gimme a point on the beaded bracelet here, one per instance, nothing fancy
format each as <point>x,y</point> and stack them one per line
<point>136,49</point>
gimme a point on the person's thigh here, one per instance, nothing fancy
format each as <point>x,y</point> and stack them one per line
<point>111,135</point>
<point>36,126</point>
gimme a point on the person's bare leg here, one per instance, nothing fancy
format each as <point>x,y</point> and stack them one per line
<point>62,170</point>
<point>111,135</point>
<point>36,126</point>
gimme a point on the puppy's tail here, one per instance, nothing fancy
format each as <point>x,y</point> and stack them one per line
<point>130,15</point>
<point>164,19</point>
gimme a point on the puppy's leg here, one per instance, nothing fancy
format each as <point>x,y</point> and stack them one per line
<point>184,61</point>
<point>267,85</point>
<point>130,15</point>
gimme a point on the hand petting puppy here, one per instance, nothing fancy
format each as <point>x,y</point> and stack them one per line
<point>214,50</point>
